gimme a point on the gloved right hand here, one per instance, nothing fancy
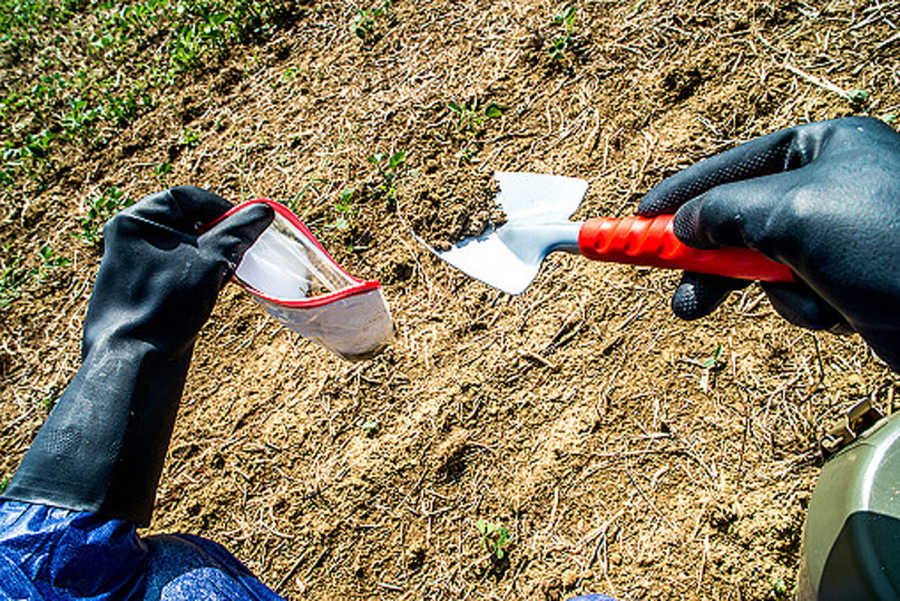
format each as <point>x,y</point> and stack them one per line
<point>823,198</point>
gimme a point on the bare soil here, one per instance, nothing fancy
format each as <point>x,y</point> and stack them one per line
<point>581,414</point>
<point>450,204</point>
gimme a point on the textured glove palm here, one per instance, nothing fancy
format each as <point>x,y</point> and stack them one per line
<point>823,198</point>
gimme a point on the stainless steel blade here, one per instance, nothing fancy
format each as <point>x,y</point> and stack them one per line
<point>537,207</point>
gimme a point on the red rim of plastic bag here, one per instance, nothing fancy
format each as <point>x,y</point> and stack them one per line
<point>360,287</point>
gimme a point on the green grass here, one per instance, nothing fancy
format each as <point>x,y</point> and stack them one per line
<point>560,44</point>
<point>296,204</point>
<point>21,21</point>
<point>92,67</point>
<point>98,211</point>
<point>13,276</point>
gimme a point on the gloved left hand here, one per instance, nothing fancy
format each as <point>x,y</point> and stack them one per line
<point>103,445</point>
<point>159,278</point>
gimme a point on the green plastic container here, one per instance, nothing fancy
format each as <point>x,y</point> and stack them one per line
<point>851,539</point>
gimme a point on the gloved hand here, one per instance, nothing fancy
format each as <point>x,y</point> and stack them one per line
<point>162,273</point>
<point>103,445</point>
<point>823,198</point>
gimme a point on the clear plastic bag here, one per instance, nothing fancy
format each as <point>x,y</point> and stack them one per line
<point>299,284</point>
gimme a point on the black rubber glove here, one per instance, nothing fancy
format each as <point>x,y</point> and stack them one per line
<point>103,445</point>
<point>823,198</point>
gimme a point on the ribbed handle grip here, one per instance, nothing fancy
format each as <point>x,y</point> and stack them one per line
<point>651,242</point>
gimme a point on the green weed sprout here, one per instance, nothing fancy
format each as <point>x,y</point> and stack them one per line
<point>470,119</point>
<point>365,23</point>
<point>345,209</point>
<point>99,210</point>
<point>123,110</point>
<point>79,121</point>
<point>3,485</point>
<point>13,274</point>
<point>119,37</point>
<point>189,138</point>
<point>27,156</point>
<point>858,98</point>
<point>714,360</point>
<point>162,170</point>
<point>50,261</point>
<point>12,277</point>
<point>779,588</point>
<point>563,42</point>
<point>493,537</point>
<point>389,169</point>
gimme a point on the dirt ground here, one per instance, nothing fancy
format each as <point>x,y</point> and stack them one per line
<point>580,415</point>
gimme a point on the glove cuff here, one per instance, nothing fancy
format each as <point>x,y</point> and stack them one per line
<point>102,448</point>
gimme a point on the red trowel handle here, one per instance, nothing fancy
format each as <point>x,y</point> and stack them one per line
<point>651,242</point>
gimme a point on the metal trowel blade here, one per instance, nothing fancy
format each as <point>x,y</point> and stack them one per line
<point>537,208</point>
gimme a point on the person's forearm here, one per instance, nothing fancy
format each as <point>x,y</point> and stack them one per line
<point>103,445</point>
<point>102,448</point>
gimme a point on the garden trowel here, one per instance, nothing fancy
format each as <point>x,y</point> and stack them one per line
<point>538,208</point>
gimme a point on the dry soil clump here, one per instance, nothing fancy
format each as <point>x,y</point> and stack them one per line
<point>449,205</point>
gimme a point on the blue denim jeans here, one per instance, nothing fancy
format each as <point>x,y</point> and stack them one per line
<point>50,554</point>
